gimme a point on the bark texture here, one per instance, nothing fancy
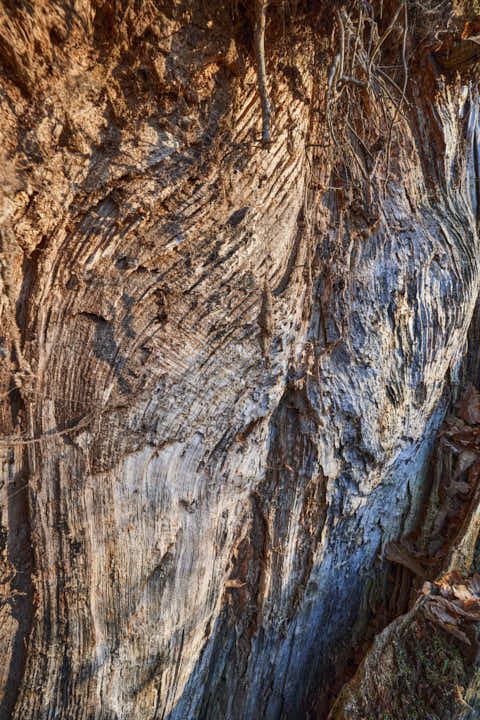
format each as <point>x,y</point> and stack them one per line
<point>222,365</point>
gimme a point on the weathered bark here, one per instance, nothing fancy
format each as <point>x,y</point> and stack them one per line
<point>223,363</point>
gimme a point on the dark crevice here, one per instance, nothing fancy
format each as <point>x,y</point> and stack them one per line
<point>20,561</point>
<point>20,558</point>
<point>284,281</point>
<point>30,273</point>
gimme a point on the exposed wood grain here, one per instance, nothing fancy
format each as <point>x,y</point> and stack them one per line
<point>220,380</point>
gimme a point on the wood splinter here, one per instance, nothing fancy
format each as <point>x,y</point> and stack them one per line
<point>260,18</point>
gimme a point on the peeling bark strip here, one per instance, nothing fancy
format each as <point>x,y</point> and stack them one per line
<point>202,530</point>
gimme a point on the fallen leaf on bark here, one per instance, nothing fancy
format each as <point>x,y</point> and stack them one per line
<point>234,584</point>
<point>464,461</point>
<point>452,578</point>
<point>469,409</point>
<point>446,591</point>
<point>472,605</point>
<point>474,583</point>
<point>459,487</point>
<point>462,592</point>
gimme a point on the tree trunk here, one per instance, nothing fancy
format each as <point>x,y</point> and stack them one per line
<point>224,356</point>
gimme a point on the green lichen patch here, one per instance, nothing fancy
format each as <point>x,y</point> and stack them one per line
<point>415,670</point>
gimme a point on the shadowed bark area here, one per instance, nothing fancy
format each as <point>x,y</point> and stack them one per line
<point>224,357</point>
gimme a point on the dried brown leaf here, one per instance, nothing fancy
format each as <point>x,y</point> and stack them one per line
<point>428,588</point>
<point>469,409</point>
<point>461,438</point>
<point>234,584</point>
<point>472,605</point>
<point>455,609</point>
<point>474,474</point>
<point>452,422</point>
<point>462,593</point>
<point>474,584</point>
<point>459,487</point>
<point>442,612</point>
<point>465,460</point>
<point>446,591</point>
<point>452,578</point>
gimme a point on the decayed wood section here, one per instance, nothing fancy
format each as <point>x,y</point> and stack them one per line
<point>221,376</point>
<point>425,662</point>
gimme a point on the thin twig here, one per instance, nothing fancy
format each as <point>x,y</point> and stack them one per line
<point>11,495</point>
<point>330,127</point>
<point>387,77</point>
<point>359,139</point>
<point>353,81</point>
<point>342,42</point>
<point>384,37</point>
<point>390,97</point>
<point>370,41</point>
<point>333,72</point>
<point>405,81</point>
<point>260,19</point>
<point>357,39</point>
<point>357,160</point>
<point>48,435</point>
